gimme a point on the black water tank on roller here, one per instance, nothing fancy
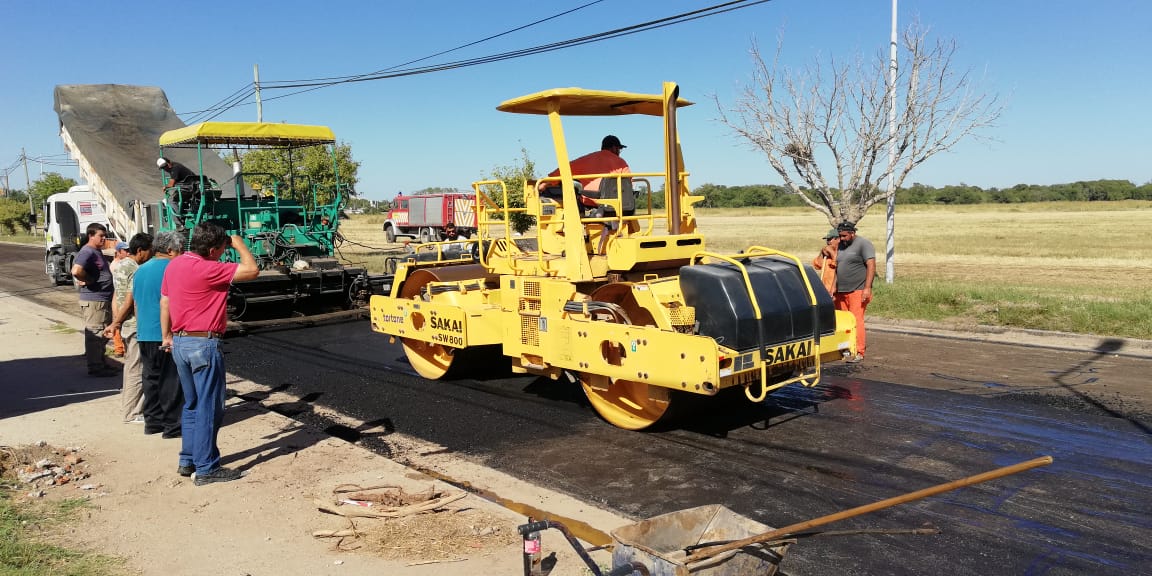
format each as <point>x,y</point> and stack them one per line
<point>725,313</point>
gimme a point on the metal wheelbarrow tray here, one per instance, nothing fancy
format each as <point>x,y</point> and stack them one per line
<point>660,544</point>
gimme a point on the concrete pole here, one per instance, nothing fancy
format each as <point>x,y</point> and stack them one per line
<point>256,83</point>
<point>890,255</point>
<point>28,186</point>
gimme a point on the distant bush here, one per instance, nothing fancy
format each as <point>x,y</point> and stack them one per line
<point>721,196</point>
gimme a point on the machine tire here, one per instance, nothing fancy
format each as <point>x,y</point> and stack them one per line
<point>425,235</point>
<point>65,278</point>
<point>627,404</point>
<point>429,360</point>
<point>389,233</point>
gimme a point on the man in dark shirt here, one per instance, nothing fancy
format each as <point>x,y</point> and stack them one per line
<point>185,180</point>
<point>93,275</point>
<point>855,269</point>
<point>179,173</point>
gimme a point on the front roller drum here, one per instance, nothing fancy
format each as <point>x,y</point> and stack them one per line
<point>429,359</point>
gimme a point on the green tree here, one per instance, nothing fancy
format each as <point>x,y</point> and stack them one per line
<point>48,184</point>
<point>514,178</point>
<point>13,215</point>
<point>294,170</point>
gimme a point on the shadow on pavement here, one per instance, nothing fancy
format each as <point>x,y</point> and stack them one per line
<point>30,385</point>
<point>1083,372</point>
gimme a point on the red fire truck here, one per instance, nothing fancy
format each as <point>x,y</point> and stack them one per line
<point>423,216</point>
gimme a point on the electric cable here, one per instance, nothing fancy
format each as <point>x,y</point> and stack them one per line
<point>442,52</point>
<point>689,16</point>
<point>217,104</point>
<point>543,48</point>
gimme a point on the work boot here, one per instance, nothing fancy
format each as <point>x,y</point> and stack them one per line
<point>186,470</point>
<point>218,475</point>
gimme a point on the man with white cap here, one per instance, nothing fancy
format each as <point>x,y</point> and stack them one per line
<point>183,178</point>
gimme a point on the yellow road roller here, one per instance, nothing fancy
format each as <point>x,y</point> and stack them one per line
<point>611,291</point>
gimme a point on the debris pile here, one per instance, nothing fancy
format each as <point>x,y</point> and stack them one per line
<point>413,526</point>
<point>41,467</point>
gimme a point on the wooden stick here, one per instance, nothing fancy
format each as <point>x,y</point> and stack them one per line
<point>359,512</point>
<point>334,533</point>
<point>939,489</point>
<point>422,563</point>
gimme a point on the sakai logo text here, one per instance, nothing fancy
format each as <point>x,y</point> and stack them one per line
<point>446,324</point>
<point>788,352</point>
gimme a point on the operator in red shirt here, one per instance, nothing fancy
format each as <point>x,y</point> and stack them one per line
<point>193,299</point>
<point>606,161</point>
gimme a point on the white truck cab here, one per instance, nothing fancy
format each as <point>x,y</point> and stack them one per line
<point>66,218</point>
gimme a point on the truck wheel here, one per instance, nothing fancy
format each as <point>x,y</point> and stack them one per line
<point>389,233</point>
<point>64,277</point>
<point>425,235</point>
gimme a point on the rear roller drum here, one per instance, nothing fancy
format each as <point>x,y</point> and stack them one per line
<point>626,404</point>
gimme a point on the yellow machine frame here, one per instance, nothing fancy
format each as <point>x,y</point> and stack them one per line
<point>617,322</point>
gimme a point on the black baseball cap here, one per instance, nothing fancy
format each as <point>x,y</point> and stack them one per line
<point>610,141</point>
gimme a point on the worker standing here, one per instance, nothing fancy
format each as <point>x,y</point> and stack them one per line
<point>92,274</point>
<point>855,269</point>
<point>193,317</point>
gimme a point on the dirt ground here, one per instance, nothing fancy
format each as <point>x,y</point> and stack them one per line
<point>263,524</point>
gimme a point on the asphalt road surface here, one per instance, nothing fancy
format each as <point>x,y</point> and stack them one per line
<point>921,412</point>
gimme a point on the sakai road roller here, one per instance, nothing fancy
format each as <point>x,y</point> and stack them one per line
<point>640,318</point>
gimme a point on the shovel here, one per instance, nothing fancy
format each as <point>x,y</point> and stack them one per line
<point>911,496</point>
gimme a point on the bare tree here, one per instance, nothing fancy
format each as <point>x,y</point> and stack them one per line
<point>837,116</point>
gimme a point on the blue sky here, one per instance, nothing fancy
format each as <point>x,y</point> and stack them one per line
<point>1075,77</point>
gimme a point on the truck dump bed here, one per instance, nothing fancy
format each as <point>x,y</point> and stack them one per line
<point>113,132</point>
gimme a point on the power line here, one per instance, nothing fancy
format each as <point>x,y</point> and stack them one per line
<point>316,84</point>
<point>540,49</point>
<point>443,52</point>
<point>217,103</point>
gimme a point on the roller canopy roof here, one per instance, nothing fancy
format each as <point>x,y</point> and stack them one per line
<point>581,102</point>
<point>249,134</point>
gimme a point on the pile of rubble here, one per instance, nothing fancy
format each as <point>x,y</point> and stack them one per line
<point>41,467</point>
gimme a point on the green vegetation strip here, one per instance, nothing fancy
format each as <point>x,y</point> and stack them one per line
<point>992,304</point>
<point>25,551</point>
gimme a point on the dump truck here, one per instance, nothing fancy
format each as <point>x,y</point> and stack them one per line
<point>66,219</point>
<point>116,132</point>
<point>644,325</point>
<point>423,216</point>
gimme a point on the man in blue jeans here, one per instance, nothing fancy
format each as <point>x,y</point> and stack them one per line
<point>193,300</point>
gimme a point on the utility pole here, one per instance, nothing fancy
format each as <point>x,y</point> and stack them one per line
<point>256,83</point>
<point>890,256</point>
<point>28,187</point>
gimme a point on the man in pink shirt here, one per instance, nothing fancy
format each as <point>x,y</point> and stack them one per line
<point>193,298</point>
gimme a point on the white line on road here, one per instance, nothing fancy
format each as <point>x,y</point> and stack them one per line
<point>75,394</point>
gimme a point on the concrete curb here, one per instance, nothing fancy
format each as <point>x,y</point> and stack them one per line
<point>1130,347</point>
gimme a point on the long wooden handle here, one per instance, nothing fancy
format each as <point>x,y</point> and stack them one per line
<point>911,496</point>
